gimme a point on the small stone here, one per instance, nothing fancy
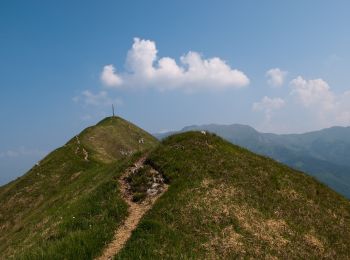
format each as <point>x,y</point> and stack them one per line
<point>155,185</point>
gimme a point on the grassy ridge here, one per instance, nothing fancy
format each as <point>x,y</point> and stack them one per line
<point>226,202</point>
<point>68,206</point>
<point>223,202</point>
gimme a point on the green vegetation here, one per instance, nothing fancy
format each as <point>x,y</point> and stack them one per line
<point>68,206</point>
<point>323,154</point>
<point>139,182</point>
<point>226,202</point>
<point>115,138</point>
<point>222,202</point>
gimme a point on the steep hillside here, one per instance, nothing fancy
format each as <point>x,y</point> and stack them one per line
<point>68,205</point>
<point>323,154</point>
<point>225,202</point>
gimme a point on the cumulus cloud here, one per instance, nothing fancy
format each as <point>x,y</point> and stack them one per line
<point>276,77</point>
<point>310,104</point>
<point>313,92</point>
<point>110,77</point>
<point>145,69</point>
<point>317,96</point>
<point>268,105</point>
<point>101,98</point>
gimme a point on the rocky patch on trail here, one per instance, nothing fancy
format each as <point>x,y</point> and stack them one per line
<point>143,181</point>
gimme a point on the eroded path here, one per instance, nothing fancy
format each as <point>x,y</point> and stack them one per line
<point>135,211</point>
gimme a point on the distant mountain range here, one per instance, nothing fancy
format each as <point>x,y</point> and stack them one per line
<point>324,154</point>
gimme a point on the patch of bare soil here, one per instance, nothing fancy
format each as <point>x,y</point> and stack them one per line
<point>136,211</point>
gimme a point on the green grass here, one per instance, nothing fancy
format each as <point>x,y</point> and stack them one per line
<point>108,143</point>
<point>222,202</point>
<point>68,207</point>
<point>79,218</point>
<point>226,202</point>
<point>139,182</point>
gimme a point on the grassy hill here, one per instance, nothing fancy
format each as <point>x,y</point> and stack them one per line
<point>68,205</point>
<point>323,154</point>
<point>226,202</point>
<point>222,201</point>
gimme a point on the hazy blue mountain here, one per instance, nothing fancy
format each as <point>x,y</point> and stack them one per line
<point>324,154</point>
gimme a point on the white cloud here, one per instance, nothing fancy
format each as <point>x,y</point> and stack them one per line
<point>145,69</point>
<point>276,77</point>
<point>343,108</point>
<point>141,57</point>
<point>268,105</point>
<point>110,77</point>
<point>101,98</point>
<point>316,95</point>
<point>313,92</point>
<point>310,104</point>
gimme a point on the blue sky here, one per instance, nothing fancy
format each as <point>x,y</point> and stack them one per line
<point>279,66</point>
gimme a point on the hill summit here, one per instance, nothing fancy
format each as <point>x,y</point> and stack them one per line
<point>68,204</point>
<point>218,201</point>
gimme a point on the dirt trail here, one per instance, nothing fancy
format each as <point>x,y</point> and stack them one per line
<point>135,210</point>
